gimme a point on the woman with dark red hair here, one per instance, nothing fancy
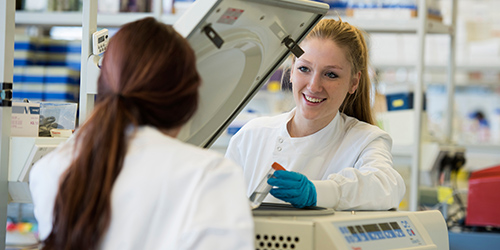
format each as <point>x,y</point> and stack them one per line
<point>124,181</point>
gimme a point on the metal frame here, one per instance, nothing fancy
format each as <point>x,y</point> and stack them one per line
<point>88,88</point>
<point>89,26</point>
<point>422,31</point>
<point>7,24</point>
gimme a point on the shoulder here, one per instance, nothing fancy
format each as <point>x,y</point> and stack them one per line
<point>363,130</point>
<point>262,126</point>
<point>52,165</point>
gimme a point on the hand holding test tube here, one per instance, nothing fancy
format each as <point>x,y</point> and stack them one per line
<point>263,188</point>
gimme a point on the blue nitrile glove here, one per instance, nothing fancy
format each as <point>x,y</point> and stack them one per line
<point>294,188</point>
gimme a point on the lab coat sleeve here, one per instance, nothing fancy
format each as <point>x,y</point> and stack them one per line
<point>220,216</point>
<point>372,184</point>
<point>232,151</point>
<point>43,186</point>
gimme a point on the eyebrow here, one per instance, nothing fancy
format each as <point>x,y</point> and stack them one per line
<point>334,66</point>
<point>327,66</point>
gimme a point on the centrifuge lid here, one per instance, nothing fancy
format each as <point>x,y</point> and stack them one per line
<point>238,45</point>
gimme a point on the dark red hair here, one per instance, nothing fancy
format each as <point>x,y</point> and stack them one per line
<point>148,77</point>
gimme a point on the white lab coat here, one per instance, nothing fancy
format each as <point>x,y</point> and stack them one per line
<point>348,161</point>
<point>169,195</point>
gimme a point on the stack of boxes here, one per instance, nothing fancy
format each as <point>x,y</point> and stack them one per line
<point>46,69</point>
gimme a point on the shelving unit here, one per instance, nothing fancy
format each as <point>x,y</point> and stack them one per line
<point>49,19</point>
<point>399,26</point>
<point>440,67</point>
<point>421,26</point>
<point>7,10</point>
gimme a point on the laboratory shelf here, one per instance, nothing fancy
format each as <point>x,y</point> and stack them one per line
<point>398,26</point>
<point>441,67</point>
<point>406,150</point>
<point>75,18</point>
<point>116,20</point>
<point>483,148</point>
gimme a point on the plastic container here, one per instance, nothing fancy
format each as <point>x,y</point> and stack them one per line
<point>263,188</point>
<point>56,115</point>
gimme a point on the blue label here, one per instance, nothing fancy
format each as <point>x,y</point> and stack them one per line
<point>34,110</point>
<point>399,233</point>
<point>363,237</point>
<point>349,239</point>
<point>389,234</point>
<point>376,235</point>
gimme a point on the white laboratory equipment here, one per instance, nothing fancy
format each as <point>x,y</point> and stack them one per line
<point>238,45</point>
<point>25,151</point>
<point>284,227</point>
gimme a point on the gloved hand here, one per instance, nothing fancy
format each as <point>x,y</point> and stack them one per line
<point>294,188</point>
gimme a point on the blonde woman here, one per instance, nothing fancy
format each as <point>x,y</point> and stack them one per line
<point>334,154</point>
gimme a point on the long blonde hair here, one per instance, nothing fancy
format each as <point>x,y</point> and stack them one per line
<point>352,41</point>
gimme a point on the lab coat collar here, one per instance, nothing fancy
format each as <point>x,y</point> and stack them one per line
<point>317,141</point>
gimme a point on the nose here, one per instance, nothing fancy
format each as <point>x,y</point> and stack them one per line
<point>315,84</point>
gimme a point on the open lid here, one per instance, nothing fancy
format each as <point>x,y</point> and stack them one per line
<point>238,46</point>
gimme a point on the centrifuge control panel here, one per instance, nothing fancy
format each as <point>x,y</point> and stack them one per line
<point>397,232</point>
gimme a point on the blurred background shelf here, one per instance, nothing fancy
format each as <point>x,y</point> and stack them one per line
<point>49,19</point>
<point>398,26</point>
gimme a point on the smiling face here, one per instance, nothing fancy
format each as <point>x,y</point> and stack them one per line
<point>320,78</point>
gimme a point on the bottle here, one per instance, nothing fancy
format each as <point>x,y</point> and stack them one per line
<point>263,188</point>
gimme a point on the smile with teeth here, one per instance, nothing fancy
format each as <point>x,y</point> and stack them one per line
<point>312,99</point>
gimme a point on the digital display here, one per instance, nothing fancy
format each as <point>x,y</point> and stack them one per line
<point>385,227</point>
<point>371,228</point>
<point>395,225</point>
<point>377,234</point>
<point>100,39</point>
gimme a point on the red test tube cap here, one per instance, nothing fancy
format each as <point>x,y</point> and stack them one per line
<point>276,166</point>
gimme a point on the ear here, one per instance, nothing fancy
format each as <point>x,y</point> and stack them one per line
<point>354,83</point>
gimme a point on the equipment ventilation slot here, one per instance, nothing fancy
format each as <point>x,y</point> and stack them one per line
<point>274,242</point>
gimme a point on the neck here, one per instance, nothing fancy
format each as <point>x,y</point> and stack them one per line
<point>302,127</point>
<point>173,132</point>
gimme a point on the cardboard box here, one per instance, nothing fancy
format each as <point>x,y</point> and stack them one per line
<point>25,119</point>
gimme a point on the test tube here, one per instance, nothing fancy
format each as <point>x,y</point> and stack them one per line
<point>263,188</point>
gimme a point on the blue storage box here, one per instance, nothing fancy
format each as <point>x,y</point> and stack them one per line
<point>401,101</point>
<point>30,85</point>
<point>61,84</point>
<point>25,48</point>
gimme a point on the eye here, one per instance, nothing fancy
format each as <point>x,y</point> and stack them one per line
<point>303,69</point>
<point>331,75</point>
